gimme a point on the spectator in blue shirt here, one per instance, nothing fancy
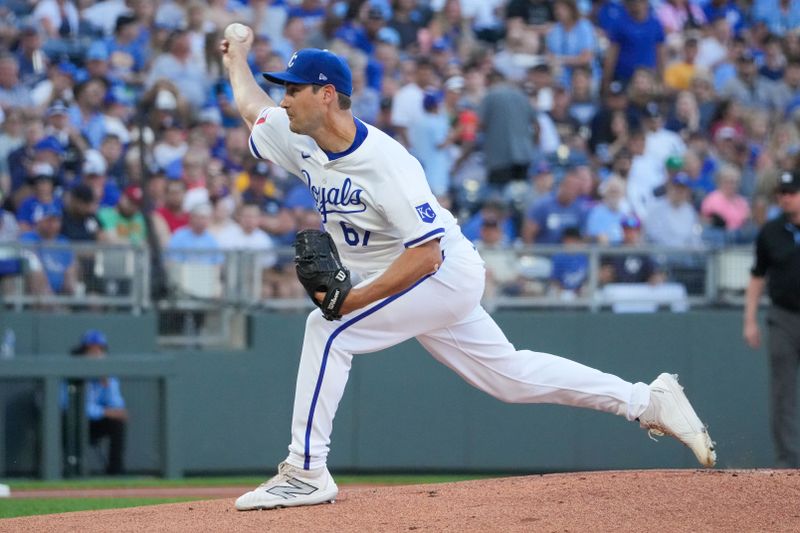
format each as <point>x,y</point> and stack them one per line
<point>571,40</point>
<point>604,222</point>
<point>127,57</point>
<point>195,239</point>
<point>95,176</point>
<point>104,404</point>
<point>31,58</point>
<point>608,14</point>
<point>780,16</point>
<point>86,114</point>
<point>637,40</point>
<point>495,209</point>
<point>429,140</point>
<point>20,159</point>
<point>547,218</point>
<point>728,10</point>
<point>56,263</point>
<point>362,32</point>
<point>570,269</point>
<point>311,13</point>
<point>13,93</point>
<point>42,182</point>
<point>298,197</point>
<point>178,65</point>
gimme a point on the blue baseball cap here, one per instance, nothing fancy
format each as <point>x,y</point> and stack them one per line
<point>44,211</point>
<point>91,337</point>
<point>682,178</point>
<point>388,35</point>
<point>94,336</point>
<point>97,52</point>
<point>542,167</point>
<point>440,45</point>
<point>49,143</point>
<point>118,94</point>
<point>65,67</point>
<point>631,222</point>
<point>430,100</point>
<point>313,66</point>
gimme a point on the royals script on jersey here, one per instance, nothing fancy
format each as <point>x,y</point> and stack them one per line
<point>373,198</point>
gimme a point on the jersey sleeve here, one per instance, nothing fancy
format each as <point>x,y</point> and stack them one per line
<point>411,207</point>
<point>270,139</point>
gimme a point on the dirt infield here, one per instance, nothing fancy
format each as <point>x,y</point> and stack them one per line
<point>634,501</point>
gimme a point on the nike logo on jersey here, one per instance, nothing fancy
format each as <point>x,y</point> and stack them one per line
<point>305,155</point>
<point>344,199</point>
<point>426,212</point>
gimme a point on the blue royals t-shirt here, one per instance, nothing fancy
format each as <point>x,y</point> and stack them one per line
<point>55,261</point>
<point>553,218</point>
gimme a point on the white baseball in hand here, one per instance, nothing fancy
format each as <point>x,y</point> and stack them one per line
<point>237,32</point>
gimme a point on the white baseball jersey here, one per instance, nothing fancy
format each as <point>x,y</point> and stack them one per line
<point>376,202</point>
<point>373,198</point>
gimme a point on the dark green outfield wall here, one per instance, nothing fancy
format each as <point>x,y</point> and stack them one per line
<point>402,410</point>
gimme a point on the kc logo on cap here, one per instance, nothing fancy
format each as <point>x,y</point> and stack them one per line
<point>313,66</point>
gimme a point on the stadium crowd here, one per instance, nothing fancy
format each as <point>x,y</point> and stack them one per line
<point>569,122</point>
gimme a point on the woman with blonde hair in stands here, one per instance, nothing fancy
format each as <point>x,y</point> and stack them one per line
<point>684,118</point>
<point>724,211</point>
<point>783,146</point>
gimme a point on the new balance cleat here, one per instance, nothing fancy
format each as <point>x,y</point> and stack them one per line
<point>291,487</point>
<point>670,413</point>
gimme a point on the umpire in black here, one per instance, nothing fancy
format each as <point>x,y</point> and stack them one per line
<point>777,265</point>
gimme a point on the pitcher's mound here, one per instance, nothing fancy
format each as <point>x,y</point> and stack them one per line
<point>651,500</point>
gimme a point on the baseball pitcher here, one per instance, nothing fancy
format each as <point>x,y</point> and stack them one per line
<point>392,264</point>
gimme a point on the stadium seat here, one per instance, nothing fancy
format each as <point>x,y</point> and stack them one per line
<point>733,269</point>
<point>644,297</point>
<point>197,280</point>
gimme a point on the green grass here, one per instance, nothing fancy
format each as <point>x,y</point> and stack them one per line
<point>228,481</point>
<point>133,482</point>
<point>29,506</point>
<point>10,508</point>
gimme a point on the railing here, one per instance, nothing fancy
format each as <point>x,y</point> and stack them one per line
<point>209,291</point>
<point>77,276</point>
<point>681,277</point>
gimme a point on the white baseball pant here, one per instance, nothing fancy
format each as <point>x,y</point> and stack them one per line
<point>443,312</point>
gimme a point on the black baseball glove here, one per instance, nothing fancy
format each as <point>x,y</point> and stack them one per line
<point>319,269</point>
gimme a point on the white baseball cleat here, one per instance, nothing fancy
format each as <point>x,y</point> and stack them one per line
<point>670,413</point>
<point>290,487</point>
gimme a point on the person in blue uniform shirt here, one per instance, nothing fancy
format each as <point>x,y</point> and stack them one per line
<point>105,406</point>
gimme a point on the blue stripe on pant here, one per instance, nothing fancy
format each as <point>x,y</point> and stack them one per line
<point>336,332</point>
